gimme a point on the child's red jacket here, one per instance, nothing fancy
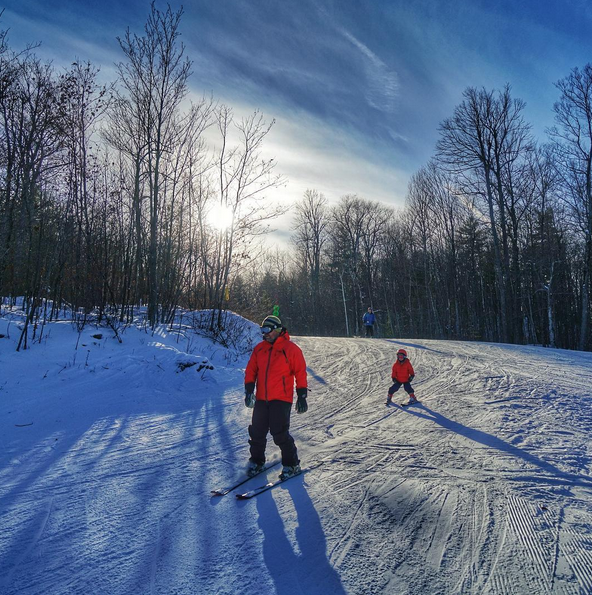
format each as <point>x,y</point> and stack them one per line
<point>402,371</point>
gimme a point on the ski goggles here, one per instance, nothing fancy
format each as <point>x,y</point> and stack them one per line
<point>266,329</point>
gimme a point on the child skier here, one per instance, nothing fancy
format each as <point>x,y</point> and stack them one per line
<point>402,374</point>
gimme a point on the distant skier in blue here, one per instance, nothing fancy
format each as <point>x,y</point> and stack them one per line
<point>369,319</point>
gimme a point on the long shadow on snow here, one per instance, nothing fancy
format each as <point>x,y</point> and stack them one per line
<point>319,379</point>
<point>181,518</point>
<point>414,345</point>
<point>46,487</point>
<point>166,504</point>
<point>309,571</point>
<point>147,477</point>
<point>562,478</point>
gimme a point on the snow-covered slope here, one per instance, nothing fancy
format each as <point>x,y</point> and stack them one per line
<point>107,461</point>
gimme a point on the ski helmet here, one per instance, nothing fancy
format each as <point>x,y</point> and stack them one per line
<point>402,352</point>
<point>271,323</point>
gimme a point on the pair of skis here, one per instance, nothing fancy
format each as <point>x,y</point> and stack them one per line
<point>264,488</point>
<point>224,491</point>
<point>404,404</point>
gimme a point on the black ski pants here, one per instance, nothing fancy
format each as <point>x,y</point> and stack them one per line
<point>273,417</point>
<point>397,385</point>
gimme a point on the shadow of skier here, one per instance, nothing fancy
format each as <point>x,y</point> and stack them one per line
<point>491,441</point>
<point>318,378</point>
<point>309,570</point>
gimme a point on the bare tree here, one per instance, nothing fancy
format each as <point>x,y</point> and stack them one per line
<point>420,197</point>
<point>244,178</point>
<point>31,144</point>
<point>484,137</point>
<point>310,236</point>
<point>82,103</point>
<point>372,240</point>
<point>573,142</point>
<point>348,225</point>
<point>125,131</point>
<point>155,80</point>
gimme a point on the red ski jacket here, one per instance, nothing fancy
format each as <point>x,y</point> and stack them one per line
<point>402,371</point>
<point>274,367</point>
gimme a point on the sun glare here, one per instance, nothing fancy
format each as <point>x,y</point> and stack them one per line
<point>220,218</point>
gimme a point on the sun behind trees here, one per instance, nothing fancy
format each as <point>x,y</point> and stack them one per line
<point>107,189</point>
<point>132,196</point>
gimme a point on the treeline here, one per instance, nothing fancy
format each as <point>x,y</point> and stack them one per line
<point>494,243</point>
<point>127,193</point>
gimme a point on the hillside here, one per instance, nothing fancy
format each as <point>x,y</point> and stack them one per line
<point>107,461</point>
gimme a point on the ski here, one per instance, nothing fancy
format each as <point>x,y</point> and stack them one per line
<point>272,484</point>
<point>407,403</point>
<point>224,491</point>
<point>404,404</point>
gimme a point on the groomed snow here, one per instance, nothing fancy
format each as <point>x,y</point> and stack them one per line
<point>109,451</point>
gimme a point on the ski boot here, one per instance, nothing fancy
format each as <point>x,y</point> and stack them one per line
<point>254,468</point>
<point>289,471</point>
<point>412,399</point>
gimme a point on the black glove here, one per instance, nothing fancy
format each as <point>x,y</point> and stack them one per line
<point>394,380</point>
<point>249,395</point>
<point>301,404</point>
<point>411,378</point>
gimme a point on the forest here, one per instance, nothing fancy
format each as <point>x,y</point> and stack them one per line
<point>133,196</point>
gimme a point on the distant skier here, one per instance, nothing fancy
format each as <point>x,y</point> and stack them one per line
<point>402,374</point>
<point>369,319</point>
<point>274,366</point>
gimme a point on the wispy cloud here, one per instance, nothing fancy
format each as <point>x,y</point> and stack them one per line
<point>308,62</point>
<point>62,42</point>
<point>382,83</point>
<point>358,88</point>
<point>312,154</point>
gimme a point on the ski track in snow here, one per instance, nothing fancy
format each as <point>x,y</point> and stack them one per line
<point>484,487</point>
<point>462,460</point>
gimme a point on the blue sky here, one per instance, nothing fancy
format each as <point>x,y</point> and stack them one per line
<point>357,87</point>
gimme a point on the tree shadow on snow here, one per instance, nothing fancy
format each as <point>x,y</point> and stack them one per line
<point>413,345</point>
<point>128,470</point>
<point>491,441</point>
<point>295,572</point>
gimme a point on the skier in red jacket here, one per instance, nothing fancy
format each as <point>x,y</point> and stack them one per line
<point>274,366</point>
<point>402,374</point>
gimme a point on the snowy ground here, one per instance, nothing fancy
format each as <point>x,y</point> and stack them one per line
<point>108,455</point>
